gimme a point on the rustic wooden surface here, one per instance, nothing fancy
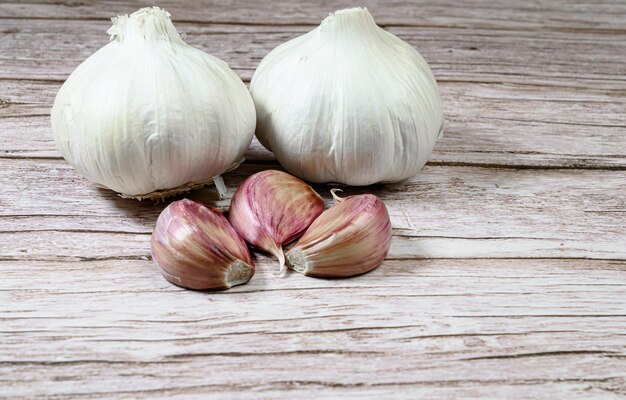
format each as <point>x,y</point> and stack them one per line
<point>507,272</point>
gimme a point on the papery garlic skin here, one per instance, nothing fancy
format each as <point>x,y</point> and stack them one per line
<point>350,238</point>
<point>196,248</point>
<point>148,115</point>
<point>347,102</point>
<point>272,208</point>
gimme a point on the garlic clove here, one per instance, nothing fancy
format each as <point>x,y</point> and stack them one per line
<point>196,248</point>
<point>272,208</point>
<point>347,102</point>
<point>350,238</point>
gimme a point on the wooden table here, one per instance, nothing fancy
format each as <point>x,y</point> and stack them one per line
<point>506,276</point>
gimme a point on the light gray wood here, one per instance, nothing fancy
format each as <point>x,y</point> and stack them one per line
<point>603,15</point>
<point>454,53</point>
<point>507,272</point>
<point>407,326</point>
<point>444,212</point>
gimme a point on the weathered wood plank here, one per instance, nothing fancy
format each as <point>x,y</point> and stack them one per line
<point>445,212</point>
<point>490,290</point>
<point>507,323</point>
<point>34,49</point>
<point>64,245</point>
<point>562,14</point>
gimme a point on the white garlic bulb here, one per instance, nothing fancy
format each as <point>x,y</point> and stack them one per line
<point>347,102</point>
<point>148,115</point>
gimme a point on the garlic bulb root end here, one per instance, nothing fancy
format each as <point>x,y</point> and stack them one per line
<point>238,273</point>
<point>160,195</point>
<point>298,261</point>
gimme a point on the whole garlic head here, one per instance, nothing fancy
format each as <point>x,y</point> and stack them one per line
<point>347,102</point>
<point>148,115</point>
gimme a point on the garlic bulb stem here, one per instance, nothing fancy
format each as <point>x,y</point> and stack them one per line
<point>280,254</point>
<point>333,193</point>
<point>220,186</point>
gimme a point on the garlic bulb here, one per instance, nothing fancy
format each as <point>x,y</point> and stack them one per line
<point>196,248</point>
<point>350,238</point>
<point>149,116</point>
<point>272,208</point>
<point>347,102</point>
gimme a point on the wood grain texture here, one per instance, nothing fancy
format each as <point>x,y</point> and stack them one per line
<point>507,272</point>
<point>603,15</point>
<point>505,213</point>
<point>408,327</point>
<point>453,52</point>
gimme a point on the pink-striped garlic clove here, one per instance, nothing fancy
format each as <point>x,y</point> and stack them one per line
<point>272,208</point>
<point>350,238</point>
<point>196,248</point>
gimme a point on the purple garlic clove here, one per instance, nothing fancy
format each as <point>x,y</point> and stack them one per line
<point>196,248</point>
<point>272,208</point>
<point>350,238</point>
